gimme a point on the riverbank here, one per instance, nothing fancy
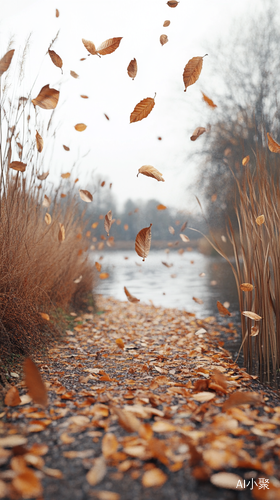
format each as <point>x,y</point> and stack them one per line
<point>144,403</point>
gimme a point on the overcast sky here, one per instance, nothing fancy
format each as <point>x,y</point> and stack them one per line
<point>117,149</point>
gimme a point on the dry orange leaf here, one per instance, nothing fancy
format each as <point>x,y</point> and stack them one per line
<point>104,276</point>
<point>222,309</point>
<point>184,238</point>
<point>192,71</point>
<point>130,297</point>
<point>94,225</point>
<point>245,160</point>
<point>198,301</point>
<point>89,46</point>
<point>61,233</point>
<point>142,109</point>
<point>172,3</point>
<point>273,146</point>
<point>39,142</point>
<point>161,207</point>
<point>127,420</point>
<point>56,13</point>
<point>56,59</point>
<point>80,127</point>
<point>226,480</point>
<point>241,398</point>
<point>109,445</point>
<point>246,287</point>
<point>251,315</point>
<point>85,195</point>
<point>132,69</point>
<point>106,495</point>
<point>198,131</point>
<point>150,171</point>
<point>46,201</point>
<point>45,316</point>
<point>47,98</point>
<point>108,222</point>
<point>109,46</point>
<point>166,23</point>
<point>97,472</point>
<point>35,384</point>
<point>43,176</point>
<point>18,165</point>
<point>203,396</point>
<point>120,343</point>
<point>27,484</point>
<point>260,220</point>
<point>65,176</point>
<point>84,96</point>
<point>143,242</point>
<point>6,61</point>
<point>163,39</point>
<point>12,397</point>
<point>154,477</point>
<point>74,74</point>
<point>208,101</point>
<point>66,148</point>
<point>98,266</point>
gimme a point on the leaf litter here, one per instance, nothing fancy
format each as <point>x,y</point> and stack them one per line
<point>136,393</point>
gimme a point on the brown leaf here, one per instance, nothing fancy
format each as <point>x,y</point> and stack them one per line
<point>254,331</point>
<point>66,175</point>
<point>84,96</point>
<point>166,264</point>
<point>45,316</point>
<point>56,59</point>
<point>161,207</point>
<point>132,69</point>
<point>48,219</point>
<point>56,13</point>
<point>241,398</point>
<point>273,146</point>
<point>104,276</point>
<point>198,301</point>
<point>89,46</point>
<point>39,142</point>
<point>120,343</point>
<point>27,484</point>
<point>142,109</point>
<point>35,384</point>
<point>74,74</point>
<point>192,71</point>
<point>6,61</point>
<point>109,445</point>
<point>143,242</point>
<point>198,131</point>
<point>80,127</point>
<point>85,195</point>
<point>166,23</point>
<point>18,165</point>
<point>150,171</point>
<point>66,148</point>
<point>12,398</point>
<point>172,3</point>
<point>61,233</point>
<point>43,176</point>
<point>97,472</point>
<point>245,160</point>
<point>184,238</point>
<point>163,39</point>
<point>154,477</point>
<point>106,495</point>
<point>98,266</point>
<point>246,287</point>
<point>128,421</point>
<point>47,98</point>
<point>108,222</point>
<point>109,46</point>
<point>251,315</point>
<point>107,118</point>
<point>130,297</point>
<point>260,220</point>
<point>184,226</point>
<point>222,309</point>
<point>46,201</point>
<point>208,101</point>
<point>226,480</point>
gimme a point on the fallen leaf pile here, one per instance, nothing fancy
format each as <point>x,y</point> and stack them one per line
<point>138,394</point>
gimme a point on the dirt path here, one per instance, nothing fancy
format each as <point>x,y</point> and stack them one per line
<point>137,411</point>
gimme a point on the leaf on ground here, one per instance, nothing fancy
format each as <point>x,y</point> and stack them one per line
<point>97,472</point>
<point>6,61</point>
<point>198,131</point>
<point>47,98</point>
<point>166,23</point>
<point>85,195</point>
<point>203,396</point>
<point>163,39</point>
<point>89,46</point>
<point>251,315</point>
<point>61,233</point>
<point>161,207</point>
<point>12,397</point>
<point>150,171</point>
<point>39,142</point>
<point>222,309</point>
<point>35,384</point>
<point>18,165</point>
<point>27,484</point>
<point>109,445</point>
<point>130,297</point>
<point>241,398</point>
<point>109,46</point>
<point>105,495</point>
<point>132,69</point>
<point>273,146</point>
<point>80,127</point>
<point>46,201</point>
<point>143,242</point>
<point>246,287</point>
<point>192,71</point>
<point>108,222</point>
<point>208,101</point>
<point>226,480</point>
<point>120,343</point>
<point>142,109</point>
<point>56,59</point>
<point>260,220</point>
<point>154,477</point>
<point>43,176</point>
<point>245,161</point>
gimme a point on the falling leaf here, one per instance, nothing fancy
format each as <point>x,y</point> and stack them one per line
<point>98,266</point>
<point>66,148</point>
<point>132,69</point>
<point>245,160</point>
<point>55,59</point>
<point>18,165</point>
<point>108,222</point>
<point>183,227</point>
<point>94,225</point>
<point>74,74</point>
<point>142,109</point>
<point>184,238</point>
<point>109,445</point>
<point>39,142</point>
<point>97,472</point>
<point>85,195</point>
<point>120,343</point>
<point>65,176</point>
<point>61,233</point>
<point>130,297</point>
<point>80,127</point>
<point>198,131</point>
<point>43,176</point>
<point>106,116</point>
<point>6,61</point>
<point>222,309</point>
<point>254,331</point>
<point>208,101</point>
<point>163,39</point>
<point>246,287</point>
<point>150,171</point>
<point>251,315</point>
<point>226,480</point>
<point>198,301</point>
<point>35,384</point>
<point>12,397</point>
<point>273,146</point>
<point>223,238</point>
<point>260,220</point>
<point>172,3</point>
<point>84,96</point>
<point>213,197</point>
<point>102,183</point>
<point>143,242</point>
<point>89,46</point>
<point>47,98</point>
<point>166,23</point>
<point>45,316</point>
<point>192,71</point>
<point>103,276</point>
<point>203,396</point>
<point>154,477</point>
<point>171,230</point>
<point>27,484</point>
<point>161,207</point>
<point>241,398</point>
<point>56,13</point>
<point>48,219</point>
<point>109,46</point>
<point>166,264</point>
<point>46,201</point>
